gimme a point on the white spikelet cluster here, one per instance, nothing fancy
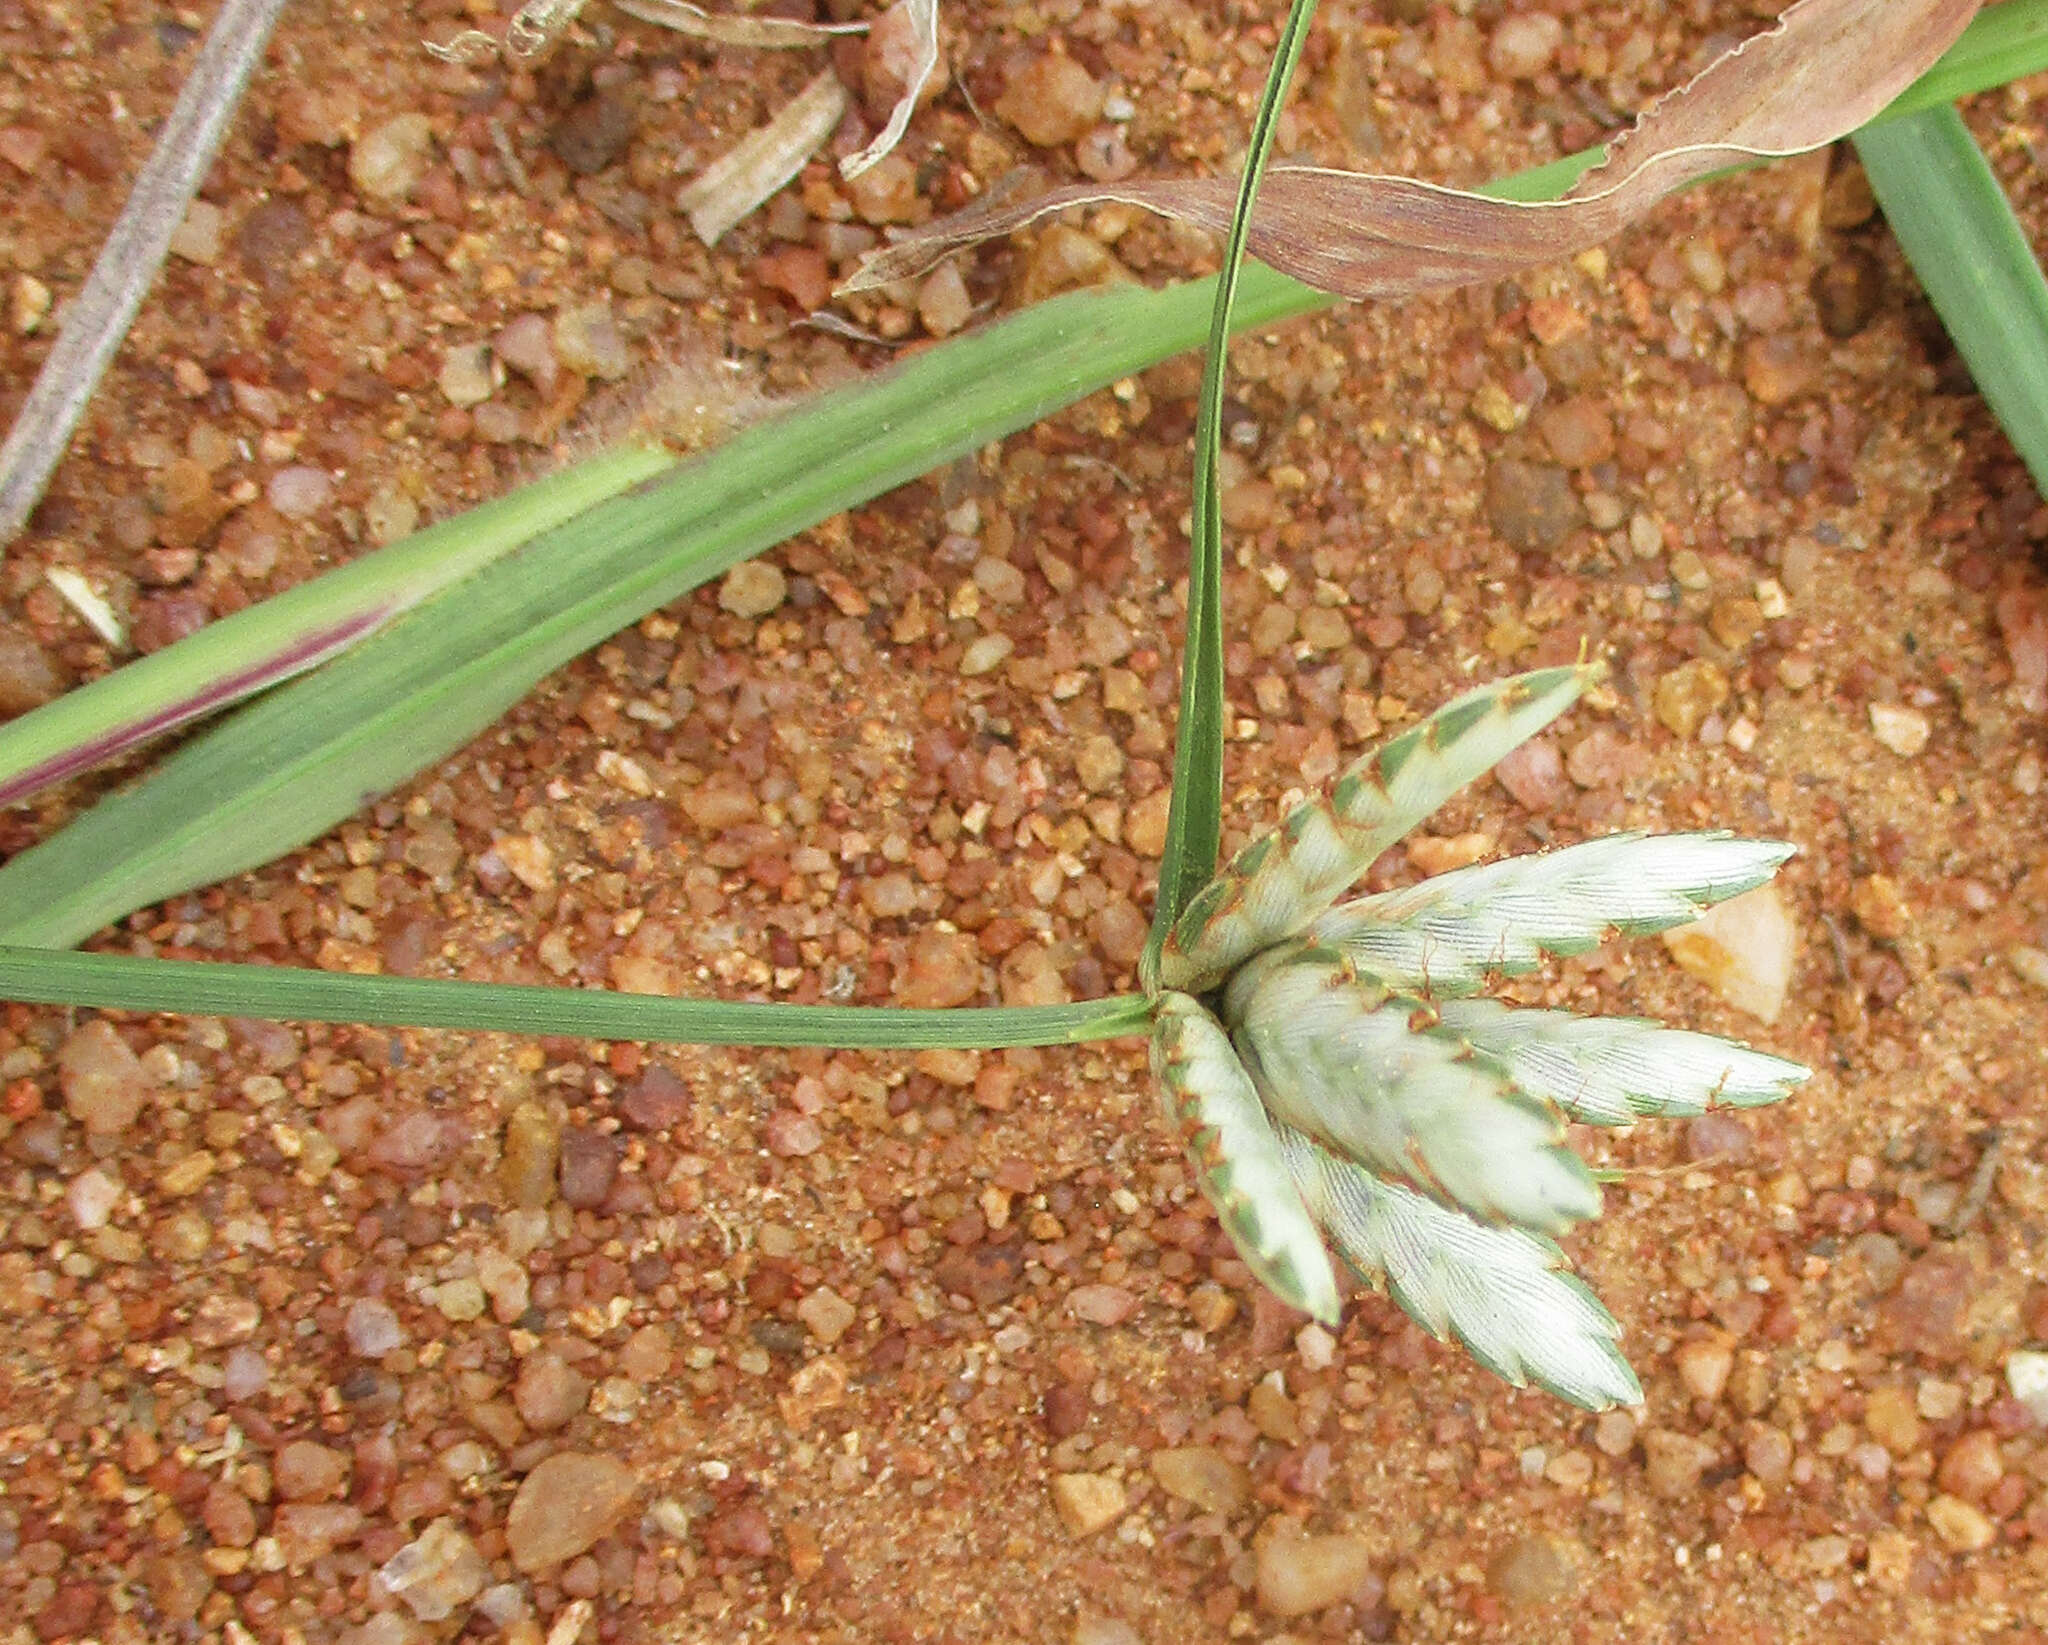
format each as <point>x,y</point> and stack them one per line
<point>1333,1071</point>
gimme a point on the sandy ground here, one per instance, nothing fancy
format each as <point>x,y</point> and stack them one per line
<point>797,1346</point>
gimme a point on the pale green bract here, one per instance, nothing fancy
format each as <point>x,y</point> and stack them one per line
<point>1331,1075</point>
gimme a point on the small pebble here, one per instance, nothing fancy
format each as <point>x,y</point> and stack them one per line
<point>386,163</point>
<point>198,238</point>
<point>103,1081</point>
<point>1673,1462</point>
<point>562,1507</point>
<point>1744,950</point>
<point>307,1472</point>
<point>548,1393</point>
<point>985,654</point>
<point>1687,694</point>
<point>753,588</point>
<point>1052,101</point>
<point>589,1166</point>
<point>943,968</point>
<point>1903,730</point>
<point>1537,1568</point>
<point>2026,1374</point>
<point>437,1573</point>
<point>1102,1304</point>
<point>465,378</point>
<point>1204,1476</point>
<point>1086,1503</point>
<point>588,342</point>
<point>532,1146</point>
<point>1961,1526</point>
<point>300,492</point>
<point>1523,44</point>
<point>91,1198</point>
<point>826,1315</point>
<point>1531,506</point>
<point>595,132</point>
<point>943,305</point>
<point>372,1329</point>
<point>28,678</point>
<point>792,1135</point>
<point>527,346</point>
<point>1090,1628</point>
<point>1298,1575</point>
<point>1703,1365</point>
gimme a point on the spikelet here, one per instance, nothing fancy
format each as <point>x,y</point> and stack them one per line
<point>1280,882</point>
<point>1448,935</point>
<point>1501,1292</point>
<point>1370,1075</point>
<point>1211,1103</point>
<point>1616,1070</point>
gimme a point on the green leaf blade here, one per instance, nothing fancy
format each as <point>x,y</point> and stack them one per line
<point>1957,229</point>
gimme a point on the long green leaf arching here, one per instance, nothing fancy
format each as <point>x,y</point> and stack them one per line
<point>1194,826</point>
<point>35,976</point>
<point>1957,229</point>
<point>250,796</point>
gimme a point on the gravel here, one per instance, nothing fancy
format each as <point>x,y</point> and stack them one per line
<point>105,1086</point>
<point>562,1507</point>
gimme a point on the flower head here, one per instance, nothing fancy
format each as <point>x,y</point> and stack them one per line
<point>1334,1071</point>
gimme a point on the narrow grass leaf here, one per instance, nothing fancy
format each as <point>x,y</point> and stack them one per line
<point>1957,229</point>
<point>123,982</point>
<point>1823,69</point>
<point>1194,824</point>
<point>265,644</point>
<point>300,759</point>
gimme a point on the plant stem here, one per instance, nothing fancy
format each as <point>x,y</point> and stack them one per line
<point>1194,825</point>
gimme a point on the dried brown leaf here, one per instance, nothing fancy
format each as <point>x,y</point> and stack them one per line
<point>1825,68</point>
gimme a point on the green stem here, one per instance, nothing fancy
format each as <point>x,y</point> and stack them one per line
<point>1194,826</point>
<point>121,982</point>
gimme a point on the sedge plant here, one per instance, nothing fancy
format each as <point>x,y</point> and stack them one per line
<point>1332,1066</point>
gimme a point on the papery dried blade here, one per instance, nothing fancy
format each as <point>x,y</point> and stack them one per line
<point>1449,934</point>
<point>924,34</point>
<point>734,28</point>
<point>1823,69</point>
<point>1502,1293</point>
<point>1370,1076</point>
<point>1213,1106</point>
<point>760,163</point>
<point>1283,880</point>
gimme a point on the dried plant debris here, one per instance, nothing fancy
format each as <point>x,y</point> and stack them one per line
<point>921,17</point>
<point>757,166</point>
<point>1825,68</point>
<point>534,27</point>
<point>734,28</point>
<point>1336,1073</point>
